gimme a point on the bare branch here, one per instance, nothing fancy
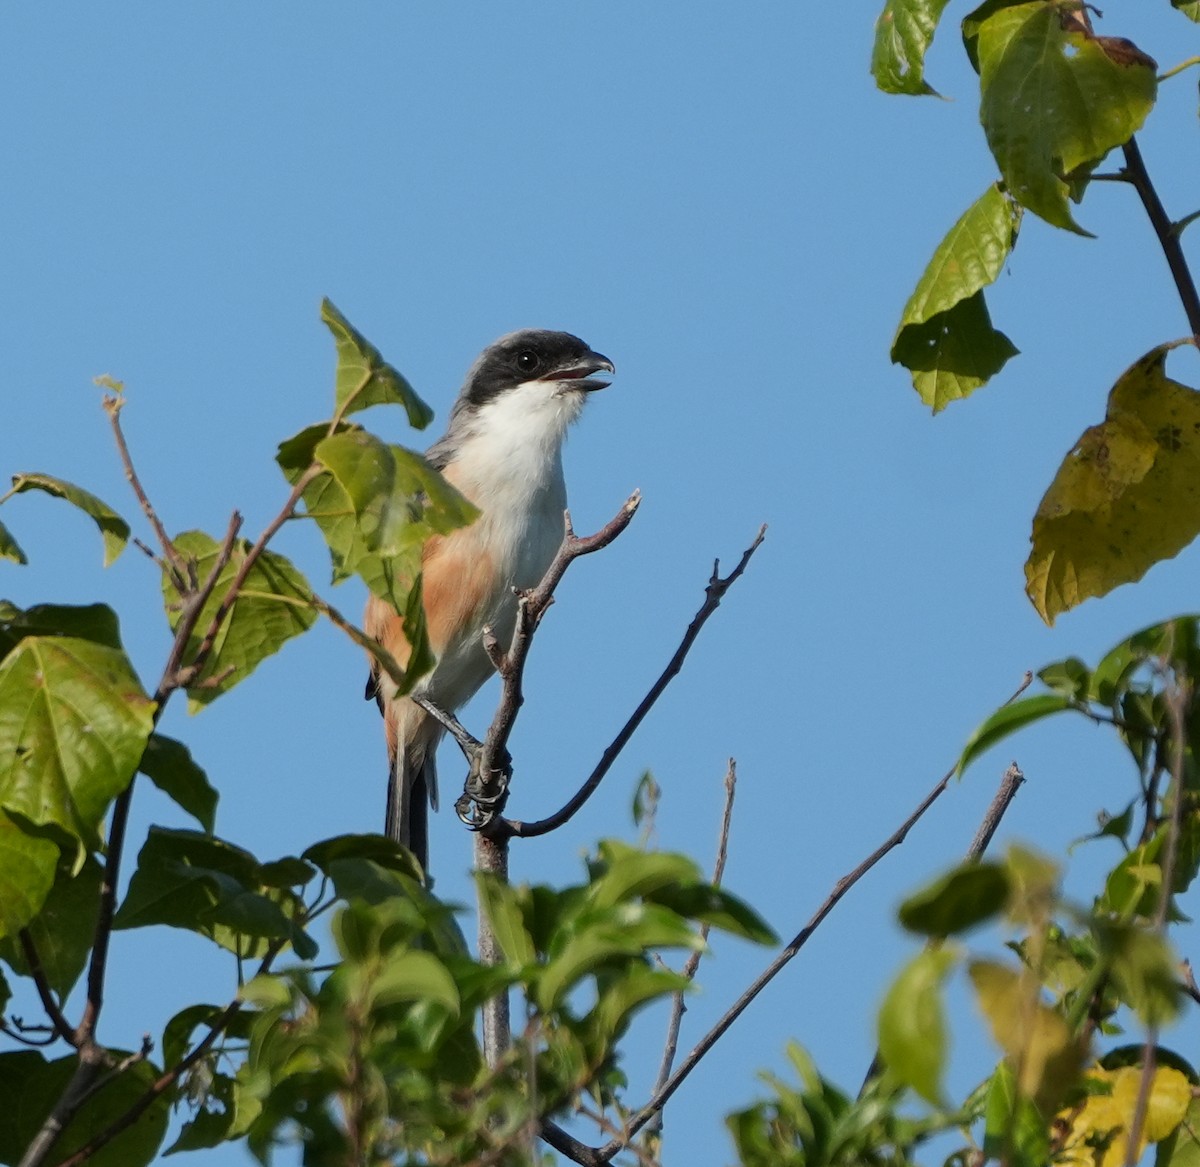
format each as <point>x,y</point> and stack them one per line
<point>692,965</point>
<point>713,594</point>
<point>1168,239</point>
<point>689,1063</point>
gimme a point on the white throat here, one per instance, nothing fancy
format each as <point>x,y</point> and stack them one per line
<point>511,450</point>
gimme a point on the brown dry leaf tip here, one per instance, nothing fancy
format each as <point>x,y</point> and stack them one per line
<point>1122,51</point>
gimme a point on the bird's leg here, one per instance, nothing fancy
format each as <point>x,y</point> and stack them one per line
<point>484,795</point>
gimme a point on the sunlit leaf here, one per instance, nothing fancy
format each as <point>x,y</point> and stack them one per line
<point>73,724</point>
<point>1107,1114</point>
<point>945,337</point>
<point>912,1024</point>
<point>1054,100</point>
<point>903,34</point>
<point>114,530</point>
<point>364,378</point>
<point>170,766</point>
<point>271,608</point>
<point>1190,8</point>
<point>957,901</point>
<point>1126,497</point>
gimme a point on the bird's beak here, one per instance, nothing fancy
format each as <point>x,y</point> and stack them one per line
<point>581,373</point>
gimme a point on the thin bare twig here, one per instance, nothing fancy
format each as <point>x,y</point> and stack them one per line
<point>689,1063</point>
<point>692,964</point>
<point>176,567</point>
<point>713,594</point>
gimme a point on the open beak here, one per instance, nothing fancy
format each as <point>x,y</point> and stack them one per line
<point>581,373</point>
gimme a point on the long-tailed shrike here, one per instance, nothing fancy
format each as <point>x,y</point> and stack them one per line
<point>503,451</point>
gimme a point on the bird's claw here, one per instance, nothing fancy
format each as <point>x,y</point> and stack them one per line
<point>483,797</point>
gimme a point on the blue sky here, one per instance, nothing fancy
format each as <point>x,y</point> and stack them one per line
<point>717,199</point>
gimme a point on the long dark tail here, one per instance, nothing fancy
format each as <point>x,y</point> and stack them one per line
<point>410,784</point>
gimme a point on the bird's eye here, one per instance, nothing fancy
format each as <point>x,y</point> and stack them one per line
<point>528,361</point>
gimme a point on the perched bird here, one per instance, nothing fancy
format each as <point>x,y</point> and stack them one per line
<point>503,451</point>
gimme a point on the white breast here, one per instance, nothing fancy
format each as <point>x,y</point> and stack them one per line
<point>509,463</point>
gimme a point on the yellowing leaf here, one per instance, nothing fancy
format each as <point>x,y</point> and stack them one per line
<point>1109,1116</point>
<point>1125,497</point>
<point>1037,1040</point>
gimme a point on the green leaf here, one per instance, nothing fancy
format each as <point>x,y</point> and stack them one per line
<point>193,881</point>
<point>717,908</point>
<point>364,378</point>
<point>1014,1132</point>
<point>635,987</point>
<point>1071,677</point>
<point>501,905</point>
<point>601,937</point>
<point>1144,970</point>
<point>970,257</point>
<point>413,976</point>
<point>912,1024</point>
<point>30,1086</point>
<point>62,931</point>
<point>27,865</point>
<point>95,622</point>
<point>903,34</point>
<point>1190,8</point>
<point>271,608</point>
<point>1126,497</point>
<point>73,723</point>
<point>945,337</point>
<point>622,873</point>
<point>954,353</point>
<point>170,766</point>
<point>398,498</point>
<point>958,901</point>
<point>9,547</point>
<point>177,1035</point>
<point>1055,100</point>
<point>1008,719</point>
<point>113,529</point>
